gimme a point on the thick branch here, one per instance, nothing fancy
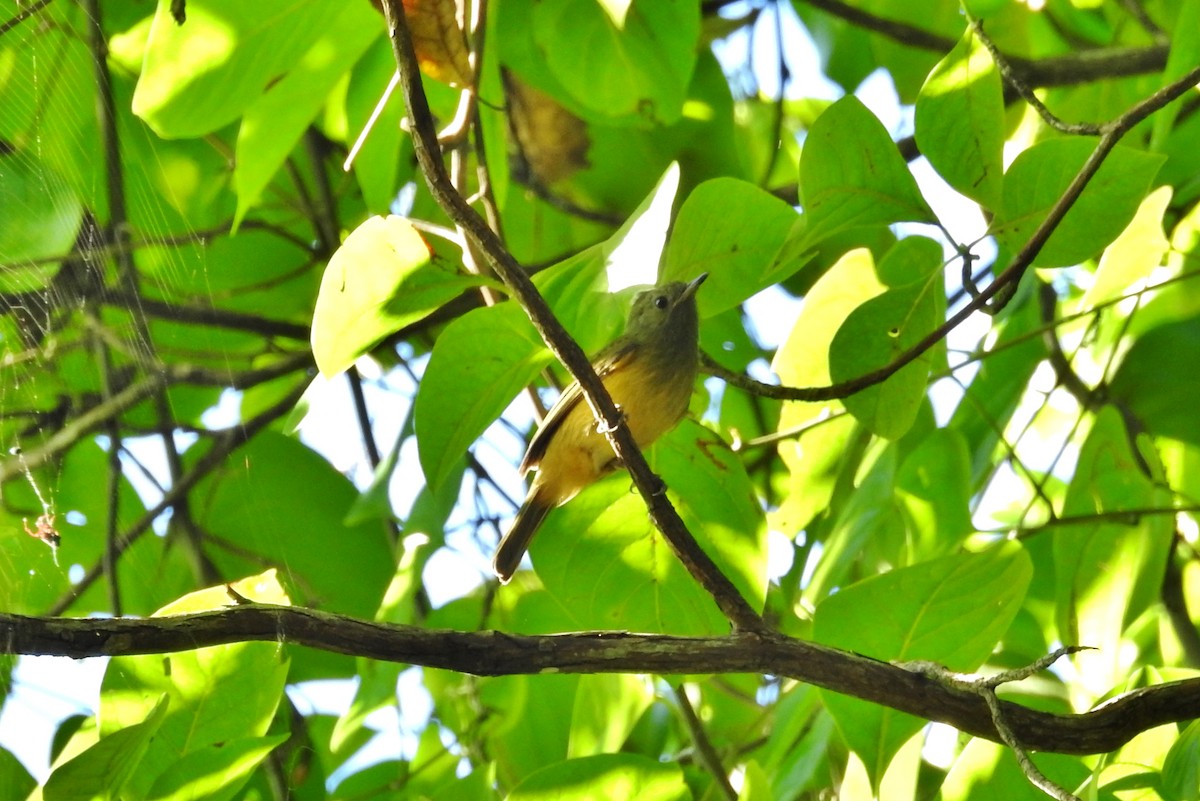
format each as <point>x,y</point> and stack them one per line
<point>1065,70</point>
<point>491,653</point>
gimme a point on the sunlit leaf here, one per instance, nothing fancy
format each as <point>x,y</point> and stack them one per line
<point>606,708</point>
<point>988,770</point>
<point>950,610</point>
<point>878,332</point>
<point>198,77</point>
<point>627,776</point>
<point>637,66</point>
<point>102,771</point>
<point>960,121</point>
<point>1134,254</point>
<point>383,277</point>
<point>731,230</point>
<point>1040,175</point>
<point>851,175</point>
<point>209,697</point>
<point>274,123</point>
<point>1108,571</point>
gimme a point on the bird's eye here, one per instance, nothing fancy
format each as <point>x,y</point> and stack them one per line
<point>661,302</point>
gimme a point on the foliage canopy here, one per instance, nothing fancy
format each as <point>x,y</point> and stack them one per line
<point>977,443</point>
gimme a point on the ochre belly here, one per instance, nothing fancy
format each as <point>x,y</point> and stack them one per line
<point>578,454</point>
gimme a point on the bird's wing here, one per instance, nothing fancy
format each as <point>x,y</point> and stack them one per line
<point>612,358</point>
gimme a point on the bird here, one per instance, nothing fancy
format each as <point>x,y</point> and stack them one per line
<point>649,372</point>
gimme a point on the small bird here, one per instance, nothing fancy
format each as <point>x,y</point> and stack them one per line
<point>649,372</point>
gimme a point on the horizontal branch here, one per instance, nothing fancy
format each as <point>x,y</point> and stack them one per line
<point>491,653</point>
<point>1065,70</point>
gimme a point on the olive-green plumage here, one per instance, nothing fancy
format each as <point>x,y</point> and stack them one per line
<point>649,372</point>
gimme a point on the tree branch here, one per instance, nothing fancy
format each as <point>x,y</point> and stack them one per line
<point>662,513</point>
<point>491,653</point>
<point>1074,68</point>
<point>1004,284</point>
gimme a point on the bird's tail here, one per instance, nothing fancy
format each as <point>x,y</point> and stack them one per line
<point>516,542</point>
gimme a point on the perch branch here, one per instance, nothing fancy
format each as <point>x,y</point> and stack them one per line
<point>491,653</point>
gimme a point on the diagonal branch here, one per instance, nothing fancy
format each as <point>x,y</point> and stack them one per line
<point>487,242</point>
<point>491,653</point>
<point>1005,283</point>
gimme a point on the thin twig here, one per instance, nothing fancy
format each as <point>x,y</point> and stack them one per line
<point>704,747</point>
<point>1018,84</point>
<point>985,687</point>
<point>22,15</point>
<point>1007,280</point>
<point>230,440</point>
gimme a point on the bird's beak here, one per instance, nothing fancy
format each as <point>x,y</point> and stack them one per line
<point>691,288</point>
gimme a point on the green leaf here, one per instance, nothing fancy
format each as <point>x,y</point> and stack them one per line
<point>951,610</point>
<point>215,772</point>
<point>274,123</point>
<point>732,230</point>
<point>960,121</point>
<point>626,776</point>
<point>632,59</point>
<point>1133,255</point>
<point>479,363</point>
<point>199,77</point>
<point>866,513</point>
<point>1150,382</point>
<point>13,774</point>
<point>803,358</point>
<point>851,175</point>
<point>884,327</point>
<point>537,730</point>
<point>1183,55</point>
<point>933,490</point>
<point>988,770</point>
<point>606,708</point>
<point>41,218</point>
<point>384,276</point>
<point>993,396</point>
<point>603,539</point>
<point>1108,572</point>
<point>378,162</point>
<point>803,361</point>
<point>1181,768</point>
<point>102,771</point>
<point>255,502</point>
<point>1040,175</point>
<point>214,696</point>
